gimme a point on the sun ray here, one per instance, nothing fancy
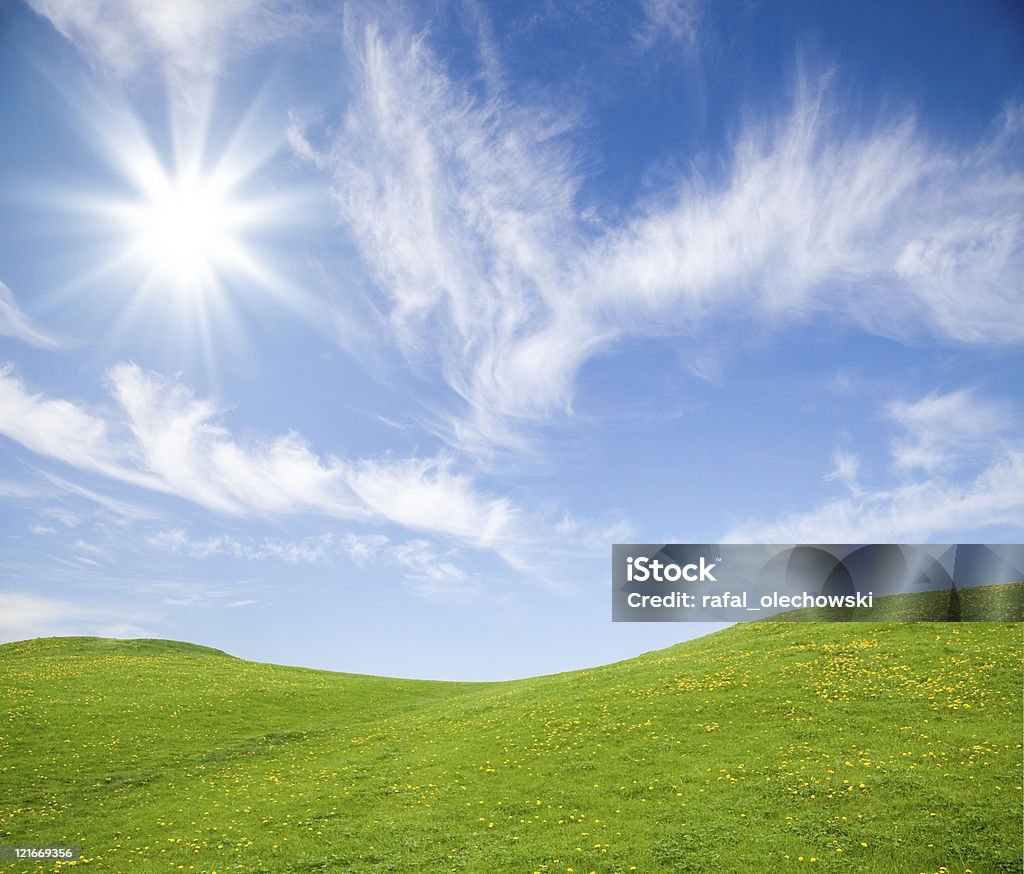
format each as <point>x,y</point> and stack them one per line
<point>188,234</point>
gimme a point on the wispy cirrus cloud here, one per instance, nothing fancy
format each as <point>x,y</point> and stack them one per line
<point>914,512</point>
<point>815,218</point>
<point>24,616</point>
<point>495,270</point>
<point>676,22</point>
<point>313,550</point>
<point>427,495</point>
<point>14,323</point>
<point>461,209</point>
<point>429,569</point>
<point>941,430</point>
<point>121,511</point>
<point>65,431</point>
<point>846,470</point>
<point>161,437</point>
<point>954,474</point>
<point>180,441</point>
<point>186,36</point>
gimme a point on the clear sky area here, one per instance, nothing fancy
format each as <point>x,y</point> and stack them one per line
<point>353,335</point>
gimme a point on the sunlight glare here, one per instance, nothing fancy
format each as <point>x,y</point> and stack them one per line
<point>189,236</point>
<point>186,230</point>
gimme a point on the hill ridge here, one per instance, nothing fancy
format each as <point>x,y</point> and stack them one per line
<point>865,746</point>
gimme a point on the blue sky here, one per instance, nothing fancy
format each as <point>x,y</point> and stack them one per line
<point>353,335</point>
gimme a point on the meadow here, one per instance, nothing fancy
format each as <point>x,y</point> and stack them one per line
<point>769,746</point>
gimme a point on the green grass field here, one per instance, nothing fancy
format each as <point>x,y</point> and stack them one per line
<point>769,746</point>
<point>999,603</point>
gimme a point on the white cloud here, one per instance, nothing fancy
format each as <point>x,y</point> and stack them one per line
<point>163,438</point>
<point>195,599</point>
<point>178,440</point>
<point>172,442</point>
<point>432,571</point>
<point>945,500</point>
<point>24,616</point>
<point>174,539</point>
<point>917,512</point>
<point>67,518</point>
<point>63,430</point>
<point>814,217</point>
<point>14,323</point>
<point>186,595</point>
<point>942,429</point>
<point>847,467</point>
<point>19,490</point>
<point>672,21</point>
<point>593,535</point>
<point>187,36</point>
<point>460,209</point>
<point>425,495</point>
<point>123,630</point>
<point>363,548</point>
<point>314,550</point>
<point>122,511</point>
<point>469,214</point>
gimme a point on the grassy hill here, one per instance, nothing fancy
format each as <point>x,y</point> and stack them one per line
<point>765,747</point>
<point>999,603</point>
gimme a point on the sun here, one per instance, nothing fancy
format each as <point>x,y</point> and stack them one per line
<point>191,233</point>
<point>188,232</point>
<point>187,229</point>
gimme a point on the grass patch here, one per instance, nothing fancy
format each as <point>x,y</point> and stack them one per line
<point>998,603</point>
<point>862,747</point>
